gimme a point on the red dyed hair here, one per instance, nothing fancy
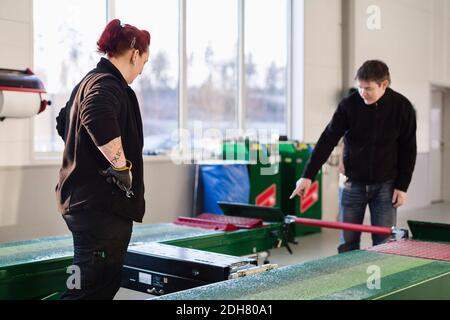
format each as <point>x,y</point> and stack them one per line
<point>118,38</point>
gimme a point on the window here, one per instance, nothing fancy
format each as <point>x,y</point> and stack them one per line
<point>211,39</point>
<point>157,87</point>
<point>265,64</point>
<point>64,51</point>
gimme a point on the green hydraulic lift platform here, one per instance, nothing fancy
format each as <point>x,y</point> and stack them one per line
<point>274,171</point>
<point>294,156</point>
<point>36,269</point>
<point>263,169</point>
<point>335,278</point>
<point>415,273</point>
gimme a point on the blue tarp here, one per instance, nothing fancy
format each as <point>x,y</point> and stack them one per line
<point>230,183</point>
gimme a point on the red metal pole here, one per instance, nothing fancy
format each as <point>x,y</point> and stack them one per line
<point>344,226</point>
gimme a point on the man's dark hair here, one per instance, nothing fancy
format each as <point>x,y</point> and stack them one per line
<point>374,70</point>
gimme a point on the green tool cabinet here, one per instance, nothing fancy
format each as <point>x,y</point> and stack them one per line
<point>294,157</point>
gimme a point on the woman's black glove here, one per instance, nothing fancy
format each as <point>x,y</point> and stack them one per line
<point>121,177</point>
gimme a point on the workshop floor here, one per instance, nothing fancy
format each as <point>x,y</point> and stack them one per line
<point>319,245</point>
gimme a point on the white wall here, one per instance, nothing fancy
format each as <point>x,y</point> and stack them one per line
<point>414,42</point>
<point>16,35</point>
<point>322,83</point>
<point>440,42</point>
<point>16,53</point>
<point>418,195</point>
<point>404,43</point>
<point>322,64</point>
<point>446,149</point>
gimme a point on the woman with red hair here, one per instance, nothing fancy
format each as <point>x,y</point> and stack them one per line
<point>100,191</point>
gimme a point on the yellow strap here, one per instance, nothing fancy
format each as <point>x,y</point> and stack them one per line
<point>127,167</point>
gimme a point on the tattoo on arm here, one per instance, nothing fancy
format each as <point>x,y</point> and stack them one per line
<point>113,152</point>
<point>116,157</point>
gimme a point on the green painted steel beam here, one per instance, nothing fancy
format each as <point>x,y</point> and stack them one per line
<point>237,243</point>
<point>437,288</point>
<point>47,249</point>
<point>36,268</point>
<point>294,157</point>
<point>429,231</point>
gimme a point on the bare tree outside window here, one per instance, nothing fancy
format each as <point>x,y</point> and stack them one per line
<point>157,87</point>
<point>266,59</point>
<point>212,37</point>
<point>65,50</point>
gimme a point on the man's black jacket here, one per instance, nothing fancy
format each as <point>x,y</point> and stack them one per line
<point>380,140</point>
<point>101,108</point>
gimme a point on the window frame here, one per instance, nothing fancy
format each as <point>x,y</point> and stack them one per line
<point>110,8</point>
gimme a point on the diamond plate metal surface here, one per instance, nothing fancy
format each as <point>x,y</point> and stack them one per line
<point>417,249</point>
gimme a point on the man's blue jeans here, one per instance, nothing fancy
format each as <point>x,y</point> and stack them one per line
<point>353,200</point>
